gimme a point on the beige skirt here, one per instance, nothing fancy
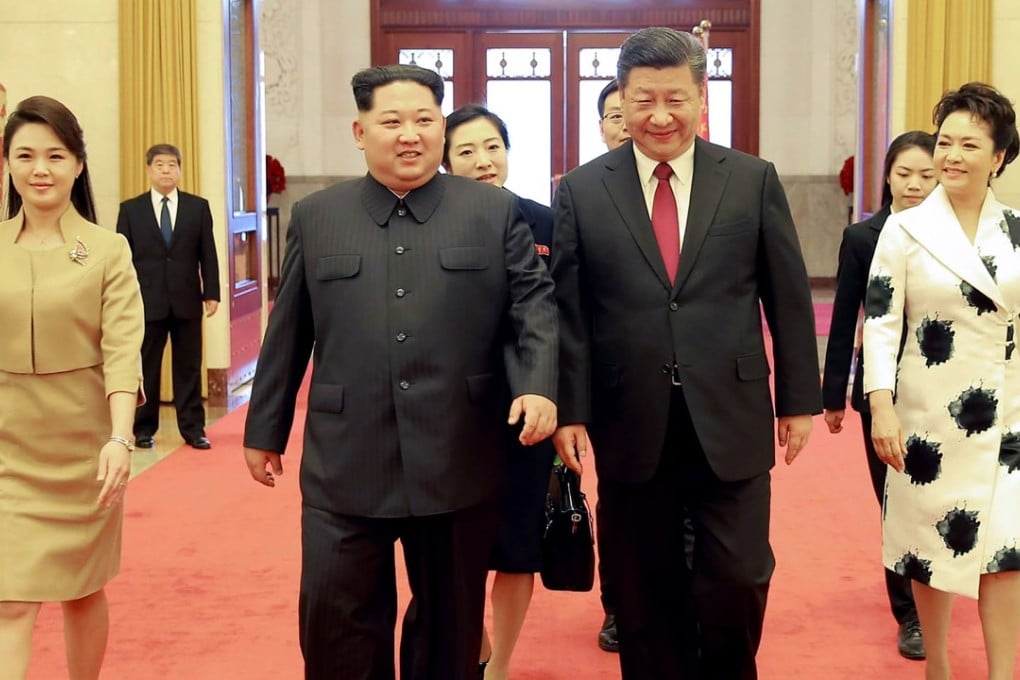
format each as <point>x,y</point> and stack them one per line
<point>58,544</point>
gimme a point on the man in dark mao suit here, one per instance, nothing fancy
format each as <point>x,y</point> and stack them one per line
<point>421,299</point>
<point>666,368</point>
<point>172,246</point>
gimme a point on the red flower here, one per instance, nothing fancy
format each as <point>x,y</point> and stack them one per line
<point>276,176</point>
<point>846,176</point>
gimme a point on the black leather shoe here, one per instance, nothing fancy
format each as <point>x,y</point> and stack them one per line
<point>144,443</point>
<point>200,443</point>
<point>910,641</point>
<point>607,636</point>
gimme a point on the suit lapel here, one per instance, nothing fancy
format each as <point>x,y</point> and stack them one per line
<point>935,227</point>
<point>624,188</point>
<point>707,188</point>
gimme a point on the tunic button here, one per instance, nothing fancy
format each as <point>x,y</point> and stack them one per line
<point>399,250</point>
<point>401,337</point>
<point>402,212</point>
<point>673,306</point>
<point>401,292</point>
<point>404,385</point>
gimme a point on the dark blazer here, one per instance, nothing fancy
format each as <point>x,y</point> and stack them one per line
<point>540,218</point>
<point>406,308</point>
<point>855,254</point>
<point>169,276</point>
<point>622,323</point>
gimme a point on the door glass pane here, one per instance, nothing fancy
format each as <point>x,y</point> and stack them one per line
<point>720,112</point>
<point>517,102</point>
<point>440,61</point>
<point>518,62</point>
<point>598,62</point>
<point>589,136</point>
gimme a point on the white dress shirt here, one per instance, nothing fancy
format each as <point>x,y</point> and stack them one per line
<point>680,182</point>
<point>157,206</point>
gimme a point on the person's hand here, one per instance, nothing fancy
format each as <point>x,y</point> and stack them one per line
<point>834,419</point>
<point>887,436</point>
<point>114,470</point>
<point>793,433</point>
<point>211,306</point>
<point>539,417</point>
<point>263,465</point>
<point>571,443</point>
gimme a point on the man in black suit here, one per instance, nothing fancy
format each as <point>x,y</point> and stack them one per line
<point>663,362</point>
<point>174,253</point>
<point>425,307</point>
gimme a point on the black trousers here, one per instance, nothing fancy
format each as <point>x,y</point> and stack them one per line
<point>901,597</point>
<point>347,608</point>
<point>673,621</point>
<point>186,365</point>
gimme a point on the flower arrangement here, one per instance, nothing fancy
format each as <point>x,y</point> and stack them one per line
<point>276,176</point>
<point>846,176</point>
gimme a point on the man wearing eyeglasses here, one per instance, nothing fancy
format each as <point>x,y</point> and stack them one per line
<point>611,124</point>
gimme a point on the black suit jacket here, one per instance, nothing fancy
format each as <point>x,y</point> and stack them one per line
<point>408,309</point>
<point>170,275</point>
<point>540,219</point>
<point>622,323</point>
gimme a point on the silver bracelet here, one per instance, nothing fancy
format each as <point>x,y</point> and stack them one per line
<point>120,440</point>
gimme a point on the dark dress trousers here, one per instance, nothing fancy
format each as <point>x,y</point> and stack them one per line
<point>855,254</point>
<point>175,280</point>
<point>704,447</point>
<point>408,309</point>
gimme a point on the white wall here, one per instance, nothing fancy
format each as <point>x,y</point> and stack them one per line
<point>1006,77</point>
<point>313,47</point>
<point>68,51</point>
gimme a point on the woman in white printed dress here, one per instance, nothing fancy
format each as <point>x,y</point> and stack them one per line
<point>950,269</point>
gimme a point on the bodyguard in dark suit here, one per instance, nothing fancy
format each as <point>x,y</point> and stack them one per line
<point>909,178</point>
<point>404,287</point>
<point>663,362</point>
<point>174,253</point>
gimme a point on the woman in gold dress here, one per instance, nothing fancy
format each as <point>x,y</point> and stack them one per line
<point>71,328</point>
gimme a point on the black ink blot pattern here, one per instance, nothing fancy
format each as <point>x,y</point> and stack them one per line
<point>976,299</point>
<point>923,462</point>
<point>936,341</point>
<point>974,410</point>
<point>1011,226</point>
<point>959,530</point>
<point>913,567</point>
<point>1009,451</point>
<point>989,262</point>
<point>1007,559</point>
<point>878,299</point>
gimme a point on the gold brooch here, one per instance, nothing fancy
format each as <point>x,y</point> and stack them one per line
<point>80,252</point>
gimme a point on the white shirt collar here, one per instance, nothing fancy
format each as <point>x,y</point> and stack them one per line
<point>683,166</point>
<point>157,198</point>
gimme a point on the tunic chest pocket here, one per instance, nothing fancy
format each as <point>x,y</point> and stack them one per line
<point>469,258</point>
<point>338,267</point>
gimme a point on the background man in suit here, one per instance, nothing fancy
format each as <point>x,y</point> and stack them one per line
<point>663,360</point>
<point>614,133</point>
<point>426,307</point>
<point>171,237</point>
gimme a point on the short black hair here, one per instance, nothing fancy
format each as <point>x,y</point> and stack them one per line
<point>988,105</point>
<point>611,87</point>
<point>908,140</point>
<point>661,47</point>
<point>366,81</point>
<point>466,114</point>
<point>162,150</point>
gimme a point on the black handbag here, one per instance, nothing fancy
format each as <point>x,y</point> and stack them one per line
<point>568,544</point>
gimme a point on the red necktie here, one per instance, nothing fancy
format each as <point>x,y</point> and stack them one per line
<point>665,223</point>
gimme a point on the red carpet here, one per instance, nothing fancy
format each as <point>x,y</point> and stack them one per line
<point>208,589</point>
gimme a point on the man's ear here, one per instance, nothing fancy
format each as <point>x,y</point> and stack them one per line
<point>359,134</point>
